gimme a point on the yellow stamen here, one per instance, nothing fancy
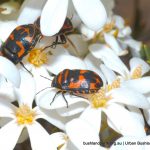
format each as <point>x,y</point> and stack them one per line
<point>115,84</point>
<point>25,115</point>
<point>101,98</point>
<point>107,28</point>
<point>137,73</point>
<point>66,138</point>
<point>37,57</point>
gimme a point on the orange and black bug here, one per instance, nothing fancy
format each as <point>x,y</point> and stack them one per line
<point>21,40</point>
<point>61,35</point>
<point>76,82</point>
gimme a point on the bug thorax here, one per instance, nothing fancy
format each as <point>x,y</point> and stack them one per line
<point>67,27</point>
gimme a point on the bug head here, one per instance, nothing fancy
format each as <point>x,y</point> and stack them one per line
<point>67,27</point>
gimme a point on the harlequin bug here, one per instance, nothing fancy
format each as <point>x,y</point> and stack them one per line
<point>21,40</point>
<point>76,82</point>
<point>66,29</point>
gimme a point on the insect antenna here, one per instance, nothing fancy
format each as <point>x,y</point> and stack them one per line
<point>26,68</point>
<point>45,78</point>
<point>43,90</point>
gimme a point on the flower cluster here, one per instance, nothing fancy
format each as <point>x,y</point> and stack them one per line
<point>74,79</point>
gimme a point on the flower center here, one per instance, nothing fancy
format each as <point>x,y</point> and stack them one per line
<point>25,115</point>
<point>107,28</point>
<point>137,73</point>
<point>37,57</point>
<point>101,98</point>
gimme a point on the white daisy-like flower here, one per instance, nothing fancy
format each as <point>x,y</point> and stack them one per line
<point>23,116</point>
<point>110,100</point>
<point>54,12</point>
<point>132,77</point>
<point>73,141</point>
<point>116,34</point>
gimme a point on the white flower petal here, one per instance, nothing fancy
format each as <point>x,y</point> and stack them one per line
<point>9,135</point>
<point>46,97</point>
<point>87,34</point>
<point>6,109</point>
<point>61,62</point>
<point>53,16</point>
<point>30,6</point>
<point>58,139</point>
<point>79,47</point>
<point>109,58</point>
<point>7,93</point>
<point>41,82</point>
<point>129,96</point>
<point>93,117</point>
<point>136,62</point>
<point>73,109</point>
<point>88,17</point>
<point>142,85</point>
<point>109,74</point>
<point>39,137</point>
<point>127,143</point>
<point>52,117</point>
<point>114,45</point>
<point>26,92</point>
<point>6,69</point>
<point>85,134</point>
<point>119,116</point>
<point>136,113</point>
<point>135,45</point>
<point>93,64</point>
<point>125,32</point>
<point>119,21</point>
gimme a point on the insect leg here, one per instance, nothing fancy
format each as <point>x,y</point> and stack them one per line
<point>65,98</point>
<point>55,97</point>
<point>26,69</point>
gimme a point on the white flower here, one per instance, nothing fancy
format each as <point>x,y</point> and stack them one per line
<point>23,116</point>
<point>110,100</point>
<point>132,78</point>
<point>77,137</point>
<point>116,34</point>
<point>53,13</point>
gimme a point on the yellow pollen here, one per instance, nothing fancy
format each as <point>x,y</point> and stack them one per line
<point>107,28</point>
<point>137,73</point>
<point>25,115</point>
<point>37,57</point>
<point>115,84</point>
<point>101,98</point>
